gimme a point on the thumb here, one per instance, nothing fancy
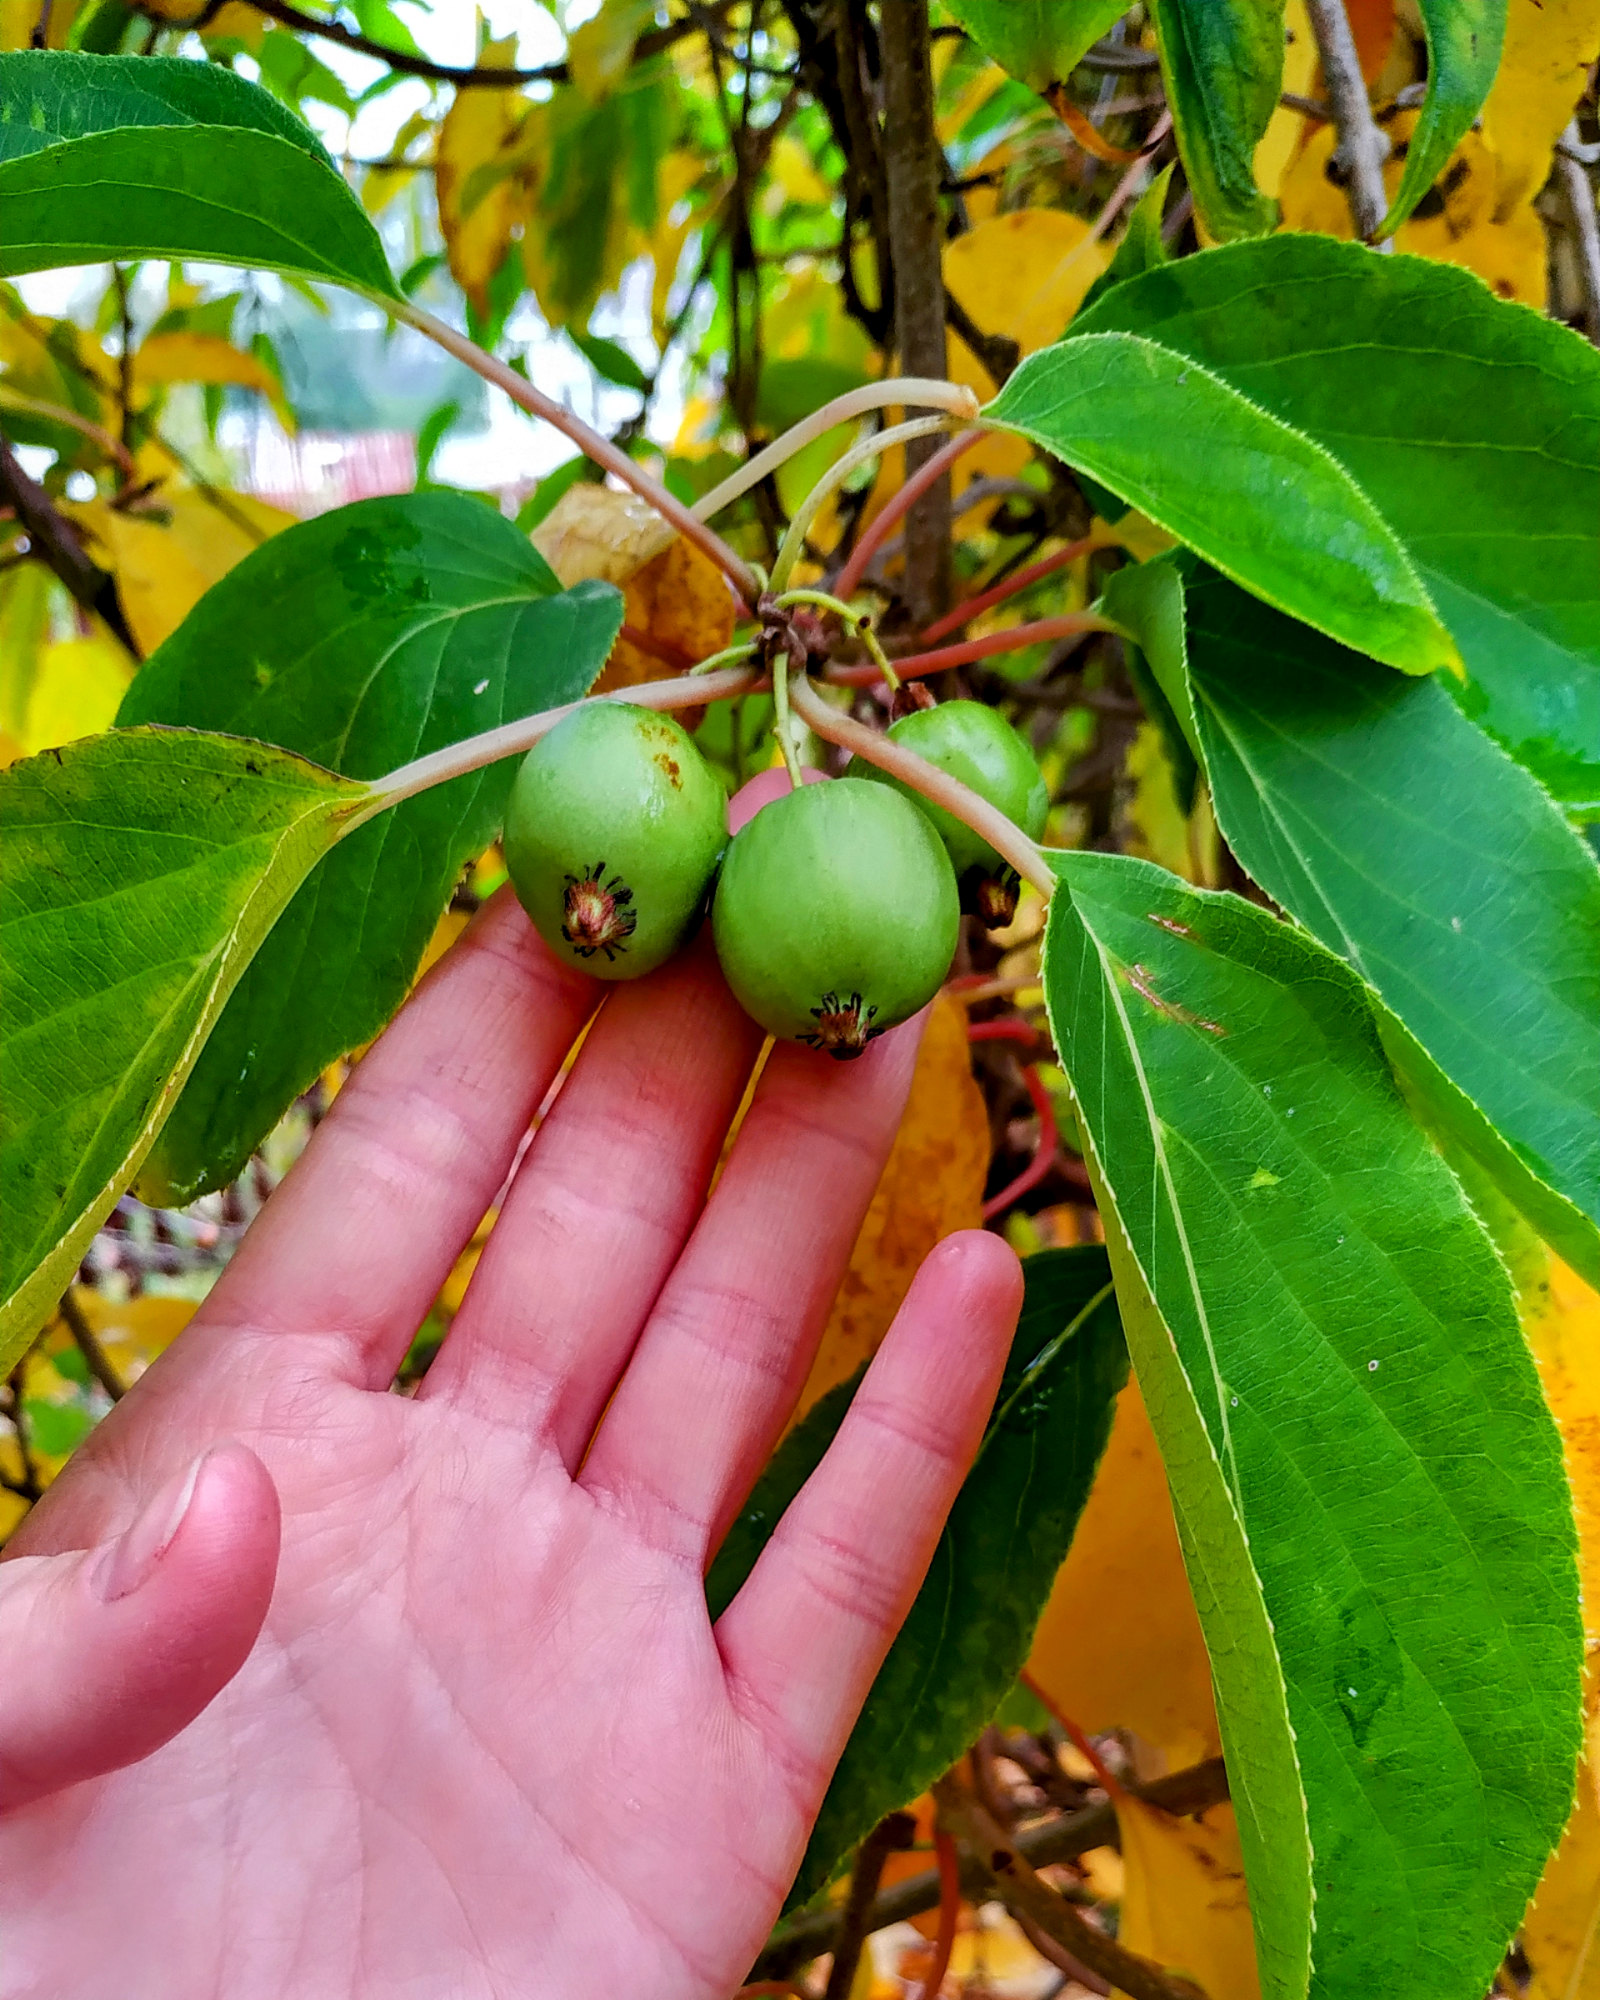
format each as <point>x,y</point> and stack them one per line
<point>111,1651</point>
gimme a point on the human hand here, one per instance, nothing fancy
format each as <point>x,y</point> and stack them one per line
<point>484,1739</point>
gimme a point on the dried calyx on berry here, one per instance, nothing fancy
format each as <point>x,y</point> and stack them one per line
<point>836,915</point>
<point>612,837</point>
<point>974,743</point>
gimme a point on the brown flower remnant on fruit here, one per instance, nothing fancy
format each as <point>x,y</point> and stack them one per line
<point>597,913</point>
<point>844,1027</point>
<point>994,898</point>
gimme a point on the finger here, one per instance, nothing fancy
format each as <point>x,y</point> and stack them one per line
<point>364,1231</point>
<point>809,1630</point>
<point>111,1651</point>
<point>601,1206</point>
<point>727,1348</point>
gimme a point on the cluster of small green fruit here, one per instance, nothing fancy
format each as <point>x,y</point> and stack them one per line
<point>835,910</point>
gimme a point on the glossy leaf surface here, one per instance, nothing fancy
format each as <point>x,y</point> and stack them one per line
<point>1037,41</point>
<point>1464,42</point>
<point>138,873</point>
<point>361,639</point>
<point>1222,64</point>
<point>1472,426</point>
<point>1269,507</point>
<point>153,156</point>
<point>1362,1465</point>
<point>970,1628</point>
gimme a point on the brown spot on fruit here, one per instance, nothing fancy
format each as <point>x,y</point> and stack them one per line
<point>673,770</point>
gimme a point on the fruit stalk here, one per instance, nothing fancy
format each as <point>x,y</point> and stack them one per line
<point>837,473</point>
<point>1006,839</point>
<point>511,738</point>
<point>590,442</point>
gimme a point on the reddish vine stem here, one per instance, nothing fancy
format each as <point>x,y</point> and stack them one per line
<point>912,666</point>
<point>1044,1153</point>
<point>600,449</point>
<point>1003,1031</point>
<point>968,609</point>
<point>1104,1776</point>
<point>898,505</point>
<point>949,1912</point>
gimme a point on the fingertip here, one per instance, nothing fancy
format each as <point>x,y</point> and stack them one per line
<point>984,1266</point>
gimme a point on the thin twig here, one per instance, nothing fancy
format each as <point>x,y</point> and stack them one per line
<point>907,495</point>
<point>1188,1791</point>
<point>1044,1152</point>
<point>57,543</point>
<point>949,1911</point>
<point>289,16</point>
<point>95,1357</point>
<point>1362,148</point>
<point>589,441</point>
<point>912,666</point>
<point>29,1487</point>
<point>890,1835</point>
<point>1025,1894</point>
<point>1579,195</point>
<point>985,600</point>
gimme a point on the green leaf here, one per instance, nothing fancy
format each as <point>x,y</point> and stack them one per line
<point>1367,1482</point>
<point>1268,506</point>
<point>152,156</point>
<point>1222,63</point>
<point>1473,427</point>
<point>1464,42</point>
<point>1039,42</point>
<point>138,872</point>
<point>1142,247</point>
<point>1398,834</point>
<point>970,1628</point>
<point>362,639</point>
<point>610,361</point>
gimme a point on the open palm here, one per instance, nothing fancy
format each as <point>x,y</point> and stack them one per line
<point>484,1739</point>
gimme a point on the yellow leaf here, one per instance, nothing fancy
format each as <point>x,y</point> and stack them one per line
<point>19,18</point>
<point>1119,1645</point>
<point>600,52</point>
<point>382,184</point>
<point>1509,255</point>
<point>1561,1933</point>
<point>165,565</point>
<point>595,531</point>
<point>207,357</point>
<point>931,1186</point>
<point>1022,275</point>
<point>1184,1902</point>
<point>679,173</point>
<point>1287,130</point>
<point>77,691</point>
<point>1548,49</point>
<point>794,173</point>
<point>479,134</point>
<point>234,21</point>
<point>133,1331</point>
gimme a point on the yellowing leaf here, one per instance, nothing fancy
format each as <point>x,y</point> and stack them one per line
<point>133,1331</point>
<point>19,18</point>
<point>931,1186</point>
<point>1561,1932</point>
<point>1509,254</point>
<point>794,173</point>
<point>1119,1645</point>
<point>1022,275</point>
<point>1287,130</point>
<point>165,562</point>
<point>1184,1902</point>
<point>680,599</point>
<point>235,21</point>
<point>77,692</point>
<point>675,221</point>
<point>382,184</point>
<point>207,357</point>
<point>599,52</point>
<point>478,206</point>
<point>1548,48</point>
<point>595,531</point>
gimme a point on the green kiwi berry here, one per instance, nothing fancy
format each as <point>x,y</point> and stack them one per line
<point>974,743</point>
<point>836,915</point>
<point>612,836</point>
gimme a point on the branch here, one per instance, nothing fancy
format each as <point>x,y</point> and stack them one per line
<point>56,542</point>
<point>894,1832</point>
<point>997,351</point>
<point>95,1357</point>
<point>803,1937</point>
<point>914,165</point>
<point>1579,195</point>
<point>1362,148</point>
<point>1023,1892</point>
<point>288,16</point>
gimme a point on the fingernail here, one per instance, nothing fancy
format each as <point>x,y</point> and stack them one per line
<point>130,1561</point>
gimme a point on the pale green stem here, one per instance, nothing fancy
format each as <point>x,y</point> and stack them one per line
<point>1008,841</point>
<point>857,622</point>
<point>439,766</point>
<point>600,449</point>
<point>835,476</point>
<point>901,391</point>
<point>729,656</point>
<point>780,719</point>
